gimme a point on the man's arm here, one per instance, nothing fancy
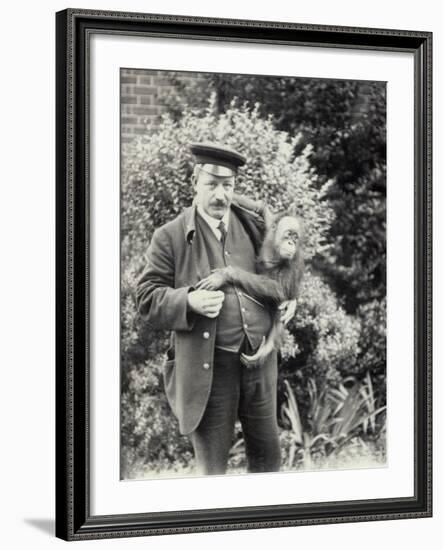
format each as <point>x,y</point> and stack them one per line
<point>257,206</point>
<point>158,302</point>
<point>250,204</point>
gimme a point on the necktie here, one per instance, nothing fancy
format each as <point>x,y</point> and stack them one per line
<point>222,229</point>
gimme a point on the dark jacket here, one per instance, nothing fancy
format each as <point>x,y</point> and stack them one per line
<point>176,262</point>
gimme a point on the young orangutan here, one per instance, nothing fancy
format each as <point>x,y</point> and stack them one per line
<point>279,272</point>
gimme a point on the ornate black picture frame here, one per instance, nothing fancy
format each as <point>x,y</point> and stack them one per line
<point>73,517</point>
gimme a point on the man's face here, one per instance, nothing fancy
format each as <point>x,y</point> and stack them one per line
<point>214,193</point>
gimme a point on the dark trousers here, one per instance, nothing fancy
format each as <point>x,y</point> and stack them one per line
<point>249,394</point>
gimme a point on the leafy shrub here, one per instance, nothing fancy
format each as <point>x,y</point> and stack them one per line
<point>337,416</point>
<point>149,432</point>
<point>322,343</point>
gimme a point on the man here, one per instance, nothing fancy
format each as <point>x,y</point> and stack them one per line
<point>206,385</point>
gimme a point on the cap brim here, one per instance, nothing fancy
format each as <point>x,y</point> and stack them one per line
<point>218,170</point>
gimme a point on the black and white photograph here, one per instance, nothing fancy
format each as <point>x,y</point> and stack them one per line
<point>252,274</point>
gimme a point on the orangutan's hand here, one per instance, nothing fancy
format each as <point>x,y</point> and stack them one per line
<point>214,281</point>
<point>287,309</point>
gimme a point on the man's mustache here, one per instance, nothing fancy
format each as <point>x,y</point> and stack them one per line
<point>219,203</point>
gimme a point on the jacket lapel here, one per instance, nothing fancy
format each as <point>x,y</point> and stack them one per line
<point>252,222</point>
<point>195,248</point>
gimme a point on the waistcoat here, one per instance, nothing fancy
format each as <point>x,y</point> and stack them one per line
<point>241,315</point>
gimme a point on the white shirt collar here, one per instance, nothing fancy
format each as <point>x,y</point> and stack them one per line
<point>213,222</point>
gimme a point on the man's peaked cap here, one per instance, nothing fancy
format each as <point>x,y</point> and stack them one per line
<point>216,154</point>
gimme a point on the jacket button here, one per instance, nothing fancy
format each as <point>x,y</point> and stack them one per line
<point>206,335</point>
<point>206,366</point>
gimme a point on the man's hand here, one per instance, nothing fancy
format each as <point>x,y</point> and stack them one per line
<point>287,309</point>
<point>214,281</point>
<point>206,302</point>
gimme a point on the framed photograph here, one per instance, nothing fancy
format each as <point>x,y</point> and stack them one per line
<point>243,274</point>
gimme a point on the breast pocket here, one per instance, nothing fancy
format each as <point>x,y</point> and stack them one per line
<point>253,299</point>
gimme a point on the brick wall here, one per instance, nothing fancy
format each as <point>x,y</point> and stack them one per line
<point>143,98</point>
